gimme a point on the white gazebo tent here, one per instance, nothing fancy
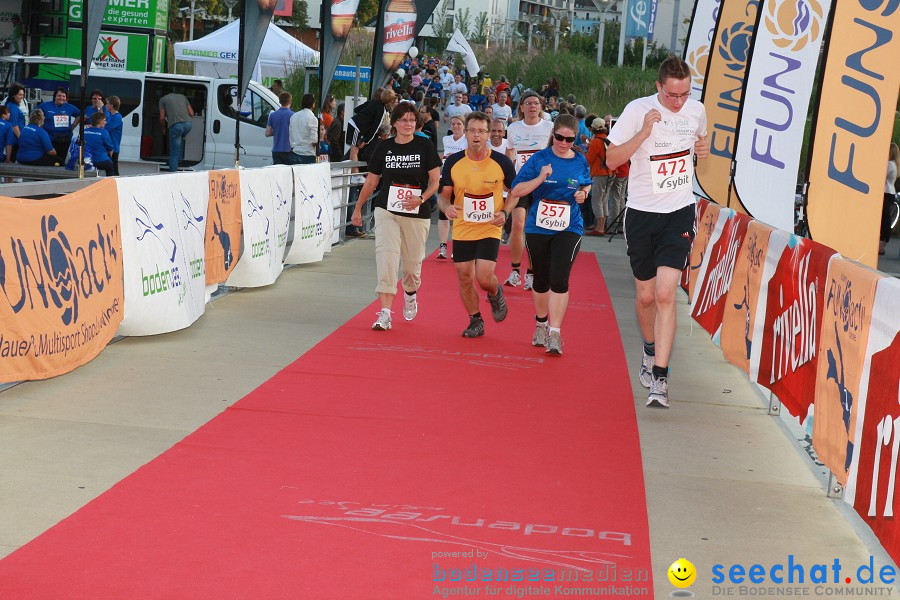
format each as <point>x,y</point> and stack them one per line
<point>215,55</point>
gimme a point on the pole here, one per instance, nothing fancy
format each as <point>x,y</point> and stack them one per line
<point>675,27</point>
<point>356,82</point>
<point>85,65</point>
<point>644,54</point>
<point>600,33</point>
<point>622,32</point>
<point>240,101</point>
<point>530,34</point>
<point>191,32</point>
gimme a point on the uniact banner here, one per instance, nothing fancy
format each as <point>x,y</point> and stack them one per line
<point>872,481</point>
<point>780,82</point>
<point>60,281</point>
<point>163,226</point>
<point>699,40</point>
<point>852,127</point>
<point>849,295</point>
<point>715,276</point>
<point>787,328</point>
<point>705,229</point>
<point>723,94</point>
<point>313,220</point>
<point>339,15</point>
<point>223,225</point>
<point>641,19</point>
<point>266,200</point>
<point>742,303</point>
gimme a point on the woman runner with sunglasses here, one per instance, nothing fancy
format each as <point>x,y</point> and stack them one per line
<point>559,179</point>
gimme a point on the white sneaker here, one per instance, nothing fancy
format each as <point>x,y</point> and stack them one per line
<point>514,279</point>
<point>442,253</point>
<point>647,363</point>
<point>384,321</point>
<point>529,281</point>
<point>659,393</point>
<point>554,343</point>
<point>410,307</point>
<point>540,334</point>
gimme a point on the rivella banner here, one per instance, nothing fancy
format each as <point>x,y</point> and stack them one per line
<point>313,214</point>
<point>61,291</point>
<point>398,24</point>
<point>852,127</point>
<point>723,95</point>
<point>780,82</point>
<point>163,226</point>
<point>223,225</point>
<point>699,40</point>
<point>705,228</point>
<point>266,207</point>
<point>849,296</point>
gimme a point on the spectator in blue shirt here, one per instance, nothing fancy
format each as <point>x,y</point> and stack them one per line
<point>476,100</point>
<point>279,127</point>
<point>15,101</point>
<point>34,143</point>
<point>7,137</point>
<point>59,119</point>
<point>98,143</point>
<point>583,134</point>
<point>114,129</point>
<point>97,105</point>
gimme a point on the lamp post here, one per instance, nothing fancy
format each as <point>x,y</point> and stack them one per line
<point>191,32</point>
<point>230,4</point>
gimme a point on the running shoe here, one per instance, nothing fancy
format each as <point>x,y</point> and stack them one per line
<point>540,334</point>
<point>410,307</point>
<point>514,279</point>
<point>554,343</point>
<point>442,253</point>
<point>646,376</point>
<point>383,323</point>
<point>659,393</point>
<point>529,281</point>
<point>498,305</point>
<point>475,328</point>
<point>504,237</point>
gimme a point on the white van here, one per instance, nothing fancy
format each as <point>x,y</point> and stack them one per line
<point>210,144</point>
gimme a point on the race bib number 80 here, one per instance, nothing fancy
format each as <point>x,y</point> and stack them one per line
<point>553,215</point>
<point>672,172</point>
<point>397,194</point>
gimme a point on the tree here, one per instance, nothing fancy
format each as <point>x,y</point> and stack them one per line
<point>463,22</point>
<point>482,25</point>
<point>300,16</point>
<point>367,12</point>
<point>442,25</point>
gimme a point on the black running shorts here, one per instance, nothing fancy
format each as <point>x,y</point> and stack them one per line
<point>483,249</point>
<point>658,240</point>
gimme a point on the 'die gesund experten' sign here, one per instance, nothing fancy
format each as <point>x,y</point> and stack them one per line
<point>142,14</point>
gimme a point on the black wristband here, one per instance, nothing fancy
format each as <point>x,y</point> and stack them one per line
<point>507,214</point>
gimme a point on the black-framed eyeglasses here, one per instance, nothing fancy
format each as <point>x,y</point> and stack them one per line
<point>564,138</point>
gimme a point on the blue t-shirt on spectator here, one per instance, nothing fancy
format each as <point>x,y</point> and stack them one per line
<point>34,143</point>
<point>584,131</point>
<point>476,102</point>
<point>91,110</point>
<point>114,129</point>
<point>58,119</point>
<point>568,175</point>
<point>98,143</point>
<point>16,119</point>
<point>7,137</point>
<point>280,122</point>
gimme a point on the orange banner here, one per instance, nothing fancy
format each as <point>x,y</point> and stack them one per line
<point>700,209</point>
<point>743,297</point>
<point>223,225</point>
<point>723,94</point>
<point>701,240</point>
<point>852,127</point>
<point>849,296</point>
<point>61,281</point>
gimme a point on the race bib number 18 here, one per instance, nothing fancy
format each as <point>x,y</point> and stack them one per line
<point>672,172</point>
<point>478,208</point>
<point>397,194</point>
<point>553,215</point>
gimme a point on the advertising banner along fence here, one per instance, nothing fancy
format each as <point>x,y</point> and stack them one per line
<point>699,40</point>
<point>163,226</point>
<point>266,201</point>
<point>852,127</point>
<point>707,224</point>
<point>780,81</point>
<point>61,281</point>
<point>313,215</point>
<point>223,225</point>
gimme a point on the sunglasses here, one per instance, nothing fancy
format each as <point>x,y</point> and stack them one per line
<point>564,138</point>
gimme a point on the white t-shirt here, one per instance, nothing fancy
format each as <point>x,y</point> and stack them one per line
<point>452,146</point>
<point>447,80</point>
<point>459,88</point>
<point>502,112</point>
<point>528,139</point>
<point>504,144</point>
<point>669,147</point>
<point>457,111</point>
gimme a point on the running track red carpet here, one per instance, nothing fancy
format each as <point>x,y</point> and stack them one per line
<point>355,471</point>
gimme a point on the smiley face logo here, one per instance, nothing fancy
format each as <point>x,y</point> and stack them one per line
<point>682,573</point>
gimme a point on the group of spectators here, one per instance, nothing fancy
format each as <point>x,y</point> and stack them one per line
<point>301,137</point>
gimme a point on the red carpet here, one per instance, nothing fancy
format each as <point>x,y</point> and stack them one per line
<point>346,474</point>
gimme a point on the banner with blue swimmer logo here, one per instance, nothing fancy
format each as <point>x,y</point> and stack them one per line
<point>163,230</point>
<point>266,210</point>
<point>699,40</point>
<point>313,214</point>
<point>61,291</point>
<point>849,295</point>
<point>223,225</point>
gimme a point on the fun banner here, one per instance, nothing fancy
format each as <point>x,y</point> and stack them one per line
<point>705,229</point>
<point>223,225</point>
<point>339,15</point>
<point>60,279</point>
<point>849,296</point>
<point>715,276</point>
<point>312,214</point>
<point>701,33</point>
<point>852,127</point>
<point>780,82</point>
<point>723,94</point>
<point>787,327</point>
<point>742,303</point>
<point>872,481</point>
<point>699,211</point>
<point>266,212</point>
<point>163,226</point>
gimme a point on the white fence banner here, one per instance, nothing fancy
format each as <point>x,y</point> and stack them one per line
<point>163,226</point>
<point>266,207</point>
<point>700,41</point>
<point>313,214</point>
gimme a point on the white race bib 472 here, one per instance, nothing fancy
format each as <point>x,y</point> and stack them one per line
<point>672,172</point>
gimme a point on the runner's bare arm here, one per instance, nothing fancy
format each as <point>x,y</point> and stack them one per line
<point>364,195</point>
<point>444,203</point>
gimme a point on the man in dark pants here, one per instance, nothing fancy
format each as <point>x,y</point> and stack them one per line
<point>175,114</point>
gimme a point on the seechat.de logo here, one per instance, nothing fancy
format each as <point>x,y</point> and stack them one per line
<point>794,23</point>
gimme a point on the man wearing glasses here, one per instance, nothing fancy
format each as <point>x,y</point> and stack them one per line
<point>472,197</point>
<point>661,134</point>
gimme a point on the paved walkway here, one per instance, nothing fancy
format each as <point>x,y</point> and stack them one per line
<point>726,483</point>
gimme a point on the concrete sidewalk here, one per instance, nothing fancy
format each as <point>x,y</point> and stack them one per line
<point>726,483</point>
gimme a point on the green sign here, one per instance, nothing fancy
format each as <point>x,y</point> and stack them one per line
<point>142,14</point>
<point>121,51</point>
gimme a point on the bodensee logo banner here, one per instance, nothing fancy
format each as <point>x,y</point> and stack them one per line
<point>723,94</point>
<point>223,225</point>
<point>60,281</point>
<point>852,127</point>
<point>313,214</point>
